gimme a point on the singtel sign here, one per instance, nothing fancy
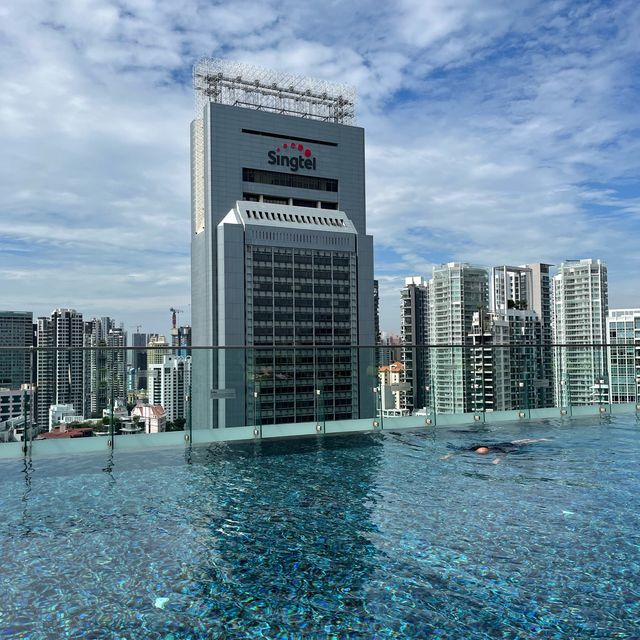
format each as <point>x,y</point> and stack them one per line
<point>297,156</point>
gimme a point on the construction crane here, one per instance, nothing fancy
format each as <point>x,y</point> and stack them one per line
<point>174,313</point>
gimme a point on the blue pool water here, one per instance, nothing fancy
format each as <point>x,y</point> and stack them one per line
<point>370,536</point>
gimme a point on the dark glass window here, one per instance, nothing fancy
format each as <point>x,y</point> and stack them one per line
<point>262,256</point>
<point>274,200</point>
<point>304,203</point>
<point>289,180</point>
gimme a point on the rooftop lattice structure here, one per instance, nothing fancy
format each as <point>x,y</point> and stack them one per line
<point>252,87</point>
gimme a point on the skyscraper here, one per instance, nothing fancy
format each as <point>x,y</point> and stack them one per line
<point>60,370</point>
<point>169,383</point>
<point>490,363</point>
<point>414,330</point>
<point>281,260</point>
<point>104,372</point>
<point>456,292</point>
<point>580,305</point>
<point>521,297</point>
<point>376,312</point>
<point>139,361</point>
<point>184,341</point>
<point>15,331</point>
<point>623,336</point>
<point>159,348</point>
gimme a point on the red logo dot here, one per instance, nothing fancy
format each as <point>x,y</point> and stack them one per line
<point>285,145</point>
<point>307,153</point>
<point>278,149</point>
<point>300,147</point>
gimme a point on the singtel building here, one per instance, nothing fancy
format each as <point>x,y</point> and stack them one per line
<point>281,261</point>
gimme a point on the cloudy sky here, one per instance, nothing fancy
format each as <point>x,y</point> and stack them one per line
<point>497,132</point>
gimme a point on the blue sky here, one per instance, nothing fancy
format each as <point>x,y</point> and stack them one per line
<point>497,132</point>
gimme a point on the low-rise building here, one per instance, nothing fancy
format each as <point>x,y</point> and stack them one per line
<point>392,388</point>
<point>153,416</point>
<point>63,431</point>
<point>12,401</point>
<point>63,414</point>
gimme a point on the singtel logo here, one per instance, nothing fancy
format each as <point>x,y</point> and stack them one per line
<point>297,156</point>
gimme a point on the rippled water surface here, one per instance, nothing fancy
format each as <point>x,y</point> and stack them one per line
<point>373,536</point>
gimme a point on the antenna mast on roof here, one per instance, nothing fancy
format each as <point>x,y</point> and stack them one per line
<point>252,87</point>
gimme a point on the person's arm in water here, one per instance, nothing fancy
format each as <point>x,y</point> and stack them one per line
<point>530,440</point>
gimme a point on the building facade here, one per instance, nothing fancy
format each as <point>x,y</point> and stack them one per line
<point>16,402</point>
<point>580,306</point>
<point>278,200</point>
<point>521,296</point>
<point>623,334</point>
<point>60,363</point>
<point>104,365</point>
<point>138,362</point>
<point>300,283</point>
<point>414,331</point>
<point>158,348</point>
<point>391,390</point>
<point>490,363</point>
<point>390,349</point>
<point>16,330</point>
<point>168,385</point>
<point>152,416</point>
<point>456,292</point>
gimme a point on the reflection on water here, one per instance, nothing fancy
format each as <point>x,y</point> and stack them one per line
<point>364,536</point>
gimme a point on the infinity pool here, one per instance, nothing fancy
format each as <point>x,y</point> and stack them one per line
<point>371,536</point>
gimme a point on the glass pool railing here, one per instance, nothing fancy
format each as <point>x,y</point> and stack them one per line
<point>59,400</point>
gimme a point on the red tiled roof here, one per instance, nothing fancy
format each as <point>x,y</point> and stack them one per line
<point>393,367</point>
<point>71,433</point>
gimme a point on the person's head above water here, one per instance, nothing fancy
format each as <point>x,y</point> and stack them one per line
<point>482,450</point>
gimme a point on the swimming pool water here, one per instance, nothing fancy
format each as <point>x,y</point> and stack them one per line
<point>369,536</point>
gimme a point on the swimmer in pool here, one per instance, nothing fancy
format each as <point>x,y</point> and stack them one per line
<point>500,448</point>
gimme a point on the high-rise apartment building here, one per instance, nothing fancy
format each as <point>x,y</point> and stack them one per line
<point>281,261</point>
<point>541,297</point>
<point>490,363</point>
<point>138,361</point>
<point>104,368</point>
<point>184,341</point>
<point>414,331</point>
<point>158,349</point>
<point>521,296</point>
<point>511,288</point>
<point>117,365</point>
<point>169,384</point>
<point>376,311</point>
<point>60,363</point>
<point>456,292</point>
<point>623,333</point>
<point>580,305</point>
<point>16,330</point>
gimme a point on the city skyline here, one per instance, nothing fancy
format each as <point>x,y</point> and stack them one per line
<point>495,135</point>
<point>386,333</point>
